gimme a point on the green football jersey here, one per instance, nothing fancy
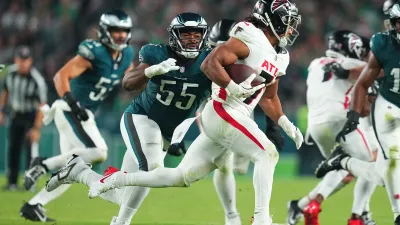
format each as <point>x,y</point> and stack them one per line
<point>172,97</point>
<point>387,52</point>
<point>93,86</point>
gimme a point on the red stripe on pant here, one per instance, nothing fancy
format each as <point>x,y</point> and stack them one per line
<point>228,118</point>
<point>365,141</point>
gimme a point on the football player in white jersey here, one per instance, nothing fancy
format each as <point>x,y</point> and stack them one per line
<point>259,43</point>
<point>328,99</point>
<point>224,180</point>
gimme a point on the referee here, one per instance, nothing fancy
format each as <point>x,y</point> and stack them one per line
<point>25,91</point>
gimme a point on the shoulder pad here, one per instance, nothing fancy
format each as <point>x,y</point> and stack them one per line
<point>377,40</point>
<point>314,63</point>
<point>283,62</point>
<point>147,52</point>
<point>243,31</point>
<point>87,48</point>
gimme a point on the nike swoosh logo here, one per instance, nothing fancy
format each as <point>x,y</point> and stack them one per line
<point>331,160</point>
<point>39,214</point>
<point>105,177</point>
<point>291,219</point>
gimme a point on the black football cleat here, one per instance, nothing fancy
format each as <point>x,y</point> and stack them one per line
<point>294,212</point>
<point>36,169</point>
<point>331,163</point>
<point>34,213</point>
<point>397,221</point>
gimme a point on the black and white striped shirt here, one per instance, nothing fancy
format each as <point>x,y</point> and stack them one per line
<point>25,92</point>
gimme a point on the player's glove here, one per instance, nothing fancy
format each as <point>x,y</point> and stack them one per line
<point>373,90</point>
<point>244,89</point>
<point>177,149</point>
<point>162,68</point>
<point>337,69</point>
<point>349,126</point>
<point>291,130</point>
<point>274,135</point>
<point>78,111</point>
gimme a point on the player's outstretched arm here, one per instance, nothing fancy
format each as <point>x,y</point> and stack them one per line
<point>367,78</point>
<point>73,68</point>
<point>225,54</point>
<point>135,79</point>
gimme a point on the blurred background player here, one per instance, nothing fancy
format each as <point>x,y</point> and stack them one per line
<point>25,90</point>
<point>83,83</point>
<point>328,98</point>
<point>385,115</point>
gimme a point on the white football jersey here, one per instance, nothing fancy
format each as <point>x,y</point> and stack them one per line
<point>328,97</point>
<point>262,58</point>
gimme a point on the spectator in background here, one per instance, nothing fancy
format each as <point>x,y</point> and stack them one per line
<point>25,90</point>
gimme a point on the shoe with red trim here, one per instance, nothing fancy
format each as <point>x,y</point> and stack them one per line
<point>311,212</point>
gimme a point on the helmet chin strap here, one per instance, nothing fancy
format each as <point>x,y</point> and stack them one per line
<point>283,42</point>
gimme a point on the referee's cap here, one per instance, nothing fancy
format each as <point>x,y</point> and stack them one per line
<point>23,52</point>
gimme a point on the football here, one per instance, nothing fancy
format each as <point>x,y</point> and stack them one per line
<point>240,72</point>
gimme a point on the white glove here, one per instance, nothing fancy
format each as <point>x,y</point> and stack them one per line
<point>291,130</point>
<point>244,89</point>
<point>162,68</point>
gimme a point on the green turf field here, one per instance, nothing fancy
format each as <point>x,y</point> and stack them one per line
<point>197,205</point>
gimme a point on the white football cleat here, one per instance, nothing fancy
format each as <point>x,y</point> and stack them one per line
<point>68,174</point>
<point>105,184</point>
<point>114,222</point>
<point>233,219</point>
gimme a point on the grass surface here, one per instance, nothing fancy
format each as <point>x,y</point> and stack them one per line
<point>197,205</point>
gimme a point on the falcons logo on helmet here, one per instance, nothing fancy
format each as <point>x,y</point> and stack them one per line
<point>355,42</point>
<point>276,4</point>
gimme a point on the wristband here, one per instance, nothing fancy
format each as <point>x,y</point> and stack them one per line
<point>69,98</point>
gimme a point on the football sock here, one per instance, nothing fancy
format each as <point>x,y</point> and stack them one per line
<point>331,181</point>
<point>225,185</point>
<point>366,208</point>
<point>43,197</point>
<point>263,175</point>
<point>362,193</point>
<point>307,199</point>
<point>362,169</point>
<point>392,185</point>
<point>158,178</point>
<point>89,155</point>
<point>133,198</point>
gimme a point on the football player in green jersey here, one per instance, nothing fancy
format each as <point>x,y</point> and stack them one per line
<point>385,114</point>
<point>83,83</point>
<point>173,87</point>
